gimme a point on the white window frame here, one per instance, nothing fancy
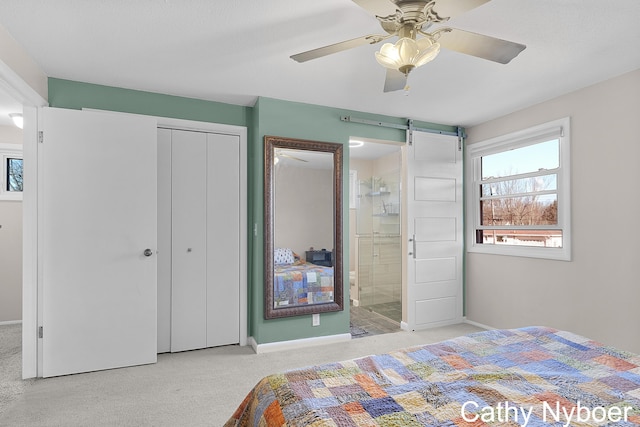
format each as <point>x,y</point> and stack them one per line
<point>558,128</point>
<point>9,151</point>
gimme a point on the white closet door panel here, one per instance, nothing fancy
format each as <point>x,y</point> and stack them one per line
<point>164,240</point>
<point>436,310</point>
<point>189,240</point>
<point>223,243</point>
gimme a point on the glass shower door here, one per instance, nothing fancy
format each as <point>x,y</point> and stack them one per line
<point>378,242</point>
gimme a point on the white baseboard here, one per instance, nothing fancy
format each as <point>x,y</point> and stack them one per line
<point>252,342</point>
<point>405,326</point>
<point>11,322</point>
<point>295,344</point>
<point>479,325</point>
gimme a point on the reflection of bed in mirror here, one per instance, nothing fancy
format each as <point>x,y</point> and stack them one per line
<point>297,282</point>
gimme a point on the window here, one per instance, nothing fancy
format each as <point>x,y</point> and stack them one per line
<point>14,174</point>
<point>518,197</point>
<point>12,168</point>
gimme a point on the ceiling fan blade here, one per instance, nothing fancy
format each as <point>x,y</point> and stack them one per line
<point>451,8</point>
<point>395,80</point>
<point>280,153</point>
<point>337,47</point>
<point>378,7</point>
<point>479,45</point>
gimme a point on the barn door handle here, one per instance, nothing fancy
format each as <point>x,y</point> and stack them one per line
<point>412,240</point>
<point>148,252</point>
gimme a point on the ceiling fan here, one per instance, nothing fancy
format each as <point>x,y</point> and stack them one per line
<point>409,19</point>
<point>282,153</point>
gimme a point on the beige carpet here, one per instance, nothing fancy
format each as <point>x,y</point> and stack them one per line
<point>195,388</point>
<point>11,384</point>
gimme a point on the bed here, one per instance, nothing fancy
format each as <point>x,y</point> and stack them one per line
<point>301,283</point>
<point>532,376</point>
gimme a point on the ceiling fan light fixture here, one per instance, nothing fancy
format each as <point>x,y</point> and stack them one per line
<point>407,54</point>
<point>429,49</point>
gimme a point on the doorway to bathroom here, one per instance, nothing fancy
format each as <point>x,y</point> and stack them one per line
<point>375,240</point>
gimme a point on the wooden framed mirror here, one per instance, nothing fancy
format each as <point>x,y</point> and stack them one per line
<point>303,254</point>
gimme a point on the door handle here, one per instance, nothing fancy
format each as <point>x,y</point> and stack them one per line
<point>412,240</point>
<point>148,252</point>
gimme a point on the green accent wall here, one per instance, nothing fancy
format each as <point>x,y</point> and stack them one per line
<point>312,122</point>
<point>267,117</point>
<point>77,95</point>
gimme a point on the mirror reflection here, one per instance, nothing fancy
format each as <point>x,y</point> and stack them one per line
<point>303,245</point>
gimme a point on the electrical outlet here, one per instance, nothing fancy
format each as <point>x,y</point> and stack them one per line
<point>315,319</point>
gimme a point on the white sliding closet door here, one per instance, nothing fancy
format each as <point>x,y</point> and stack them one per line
<point>189,240</point>
<point>223,239</point>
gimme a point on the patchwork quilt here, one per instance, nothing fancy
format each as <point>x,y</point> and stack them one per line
<point>532,376</point>
<point>302,284</point>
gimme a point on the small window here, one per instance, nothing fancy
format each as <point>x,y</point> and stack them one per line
<point>519,194</point>
<point>12,172</point>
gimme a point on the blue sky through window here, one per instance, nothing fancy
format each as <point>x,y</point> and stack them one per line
<point>545,155</point>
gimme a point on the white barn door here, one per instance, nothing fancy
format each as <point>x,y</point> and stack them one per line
<point>97,240</point>
<point>434,231</point>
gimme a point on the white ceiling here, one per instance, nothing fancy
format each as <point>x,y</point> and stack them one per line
<point>234,51</point>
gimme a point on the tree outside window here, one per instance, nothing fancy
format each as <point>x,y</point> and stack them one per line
<point>14,174</point>
<point>11,172</point>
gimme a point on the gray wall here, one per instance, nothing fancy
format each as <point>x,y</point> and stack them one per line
<point>597,294</point>
<point>10,245</point>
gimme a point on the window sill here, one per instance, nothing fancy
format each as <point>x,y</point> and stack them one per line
<point>553,254</point>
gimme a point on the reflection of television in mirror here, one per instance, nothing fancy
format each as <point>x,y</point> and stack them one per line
<point>322,257</point>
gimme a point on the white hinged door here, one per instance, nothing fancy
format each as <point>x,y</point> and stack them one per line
<point>97,240</point>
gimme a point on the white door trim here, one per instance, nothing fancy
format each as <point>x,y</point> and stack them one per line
<point>241,132</point>
<point>20,90</point>
<point>30,313</point>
